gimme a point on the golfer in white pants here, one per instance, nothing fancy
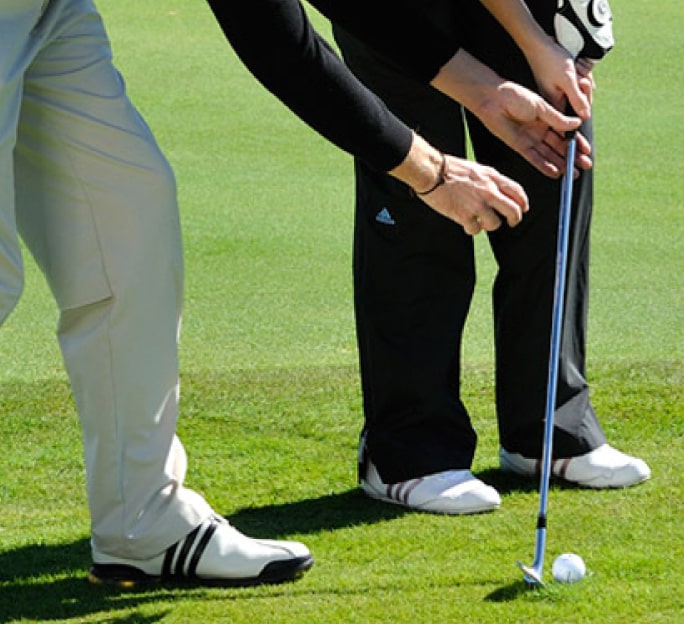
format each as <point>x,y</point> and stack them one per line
<point>83,182</point>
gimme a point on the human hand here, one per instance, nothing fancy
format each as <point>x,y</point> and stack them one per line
<point>476,196</point>
<point>551,63</point>
<point>533,128</point>
<point>473,195</point>
<point>521,118</point>
<point>560,79</point>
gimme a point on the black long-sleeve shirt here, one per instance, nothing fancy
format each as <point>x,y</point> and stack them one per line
<point>277,43</point>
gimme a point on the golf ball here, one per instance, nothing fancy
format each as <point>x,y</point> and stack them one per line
<point>568,568</point>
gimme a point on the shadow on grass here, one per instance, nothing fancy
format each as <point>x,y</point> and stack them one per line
<point>313,515</point>
<point>45,582</point>
<point>510,592</point>
<point>40,582</point>
<point>507,483</point>
<point>350,509</point>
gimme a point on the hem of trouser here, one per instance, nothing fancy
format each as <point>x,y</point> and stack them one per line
<point>144,549</point>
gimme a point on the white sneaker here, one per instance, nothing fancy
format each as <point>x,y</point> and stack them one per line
<point>450,492</point>
<point>215,553</point>
<point>604,467</point>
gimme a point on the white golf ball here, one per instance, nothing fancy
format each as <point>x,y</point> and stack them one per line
<point>568,568</point>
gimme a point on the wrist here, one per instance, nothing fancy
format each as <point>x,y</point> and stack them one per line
<point>423,169</point>
<point>441,178</point>
<point>534,43</point>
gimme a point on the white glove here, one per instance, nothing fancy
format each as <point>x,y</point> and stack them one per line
<point>585,27</point>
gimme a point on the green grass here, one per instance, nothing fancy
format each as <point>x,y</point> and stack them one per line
<point>271,405</point>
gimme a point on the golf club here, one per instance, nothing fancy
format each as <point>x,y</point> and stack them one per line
<point>533,573</point>
<point>583,28</point>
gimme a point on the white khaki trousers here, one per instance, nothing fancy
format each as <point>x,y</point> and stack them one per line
<point>84,184</point>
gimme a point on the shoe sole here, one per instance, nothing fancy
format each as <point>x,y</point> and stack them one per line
<point>129,577</point>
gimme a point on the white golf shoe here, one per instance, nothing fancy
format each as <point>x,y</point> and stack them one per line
<point>604,467</point>
<point>450,492</point>
<point>215,554</point>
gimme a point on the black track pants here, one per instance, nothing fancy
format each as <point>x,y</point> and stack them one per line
<point>414,275</point>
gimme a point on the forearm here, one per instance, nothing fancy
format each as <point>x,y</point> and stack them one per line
<point>277,43</point>
<point>468,81</point>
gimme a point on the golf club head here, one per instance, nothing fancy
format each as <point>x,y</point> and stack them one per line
<point>532,576</point>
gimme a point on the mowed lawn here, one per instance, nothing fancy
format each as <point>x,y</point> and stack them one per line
<point>271,407</point>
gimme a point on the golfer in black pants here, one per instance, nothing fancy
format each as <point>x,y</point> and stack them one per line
<point>414,275</point>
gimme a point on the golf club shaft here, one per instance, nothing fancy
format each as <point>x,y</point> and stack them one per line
<point>554,353</point>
